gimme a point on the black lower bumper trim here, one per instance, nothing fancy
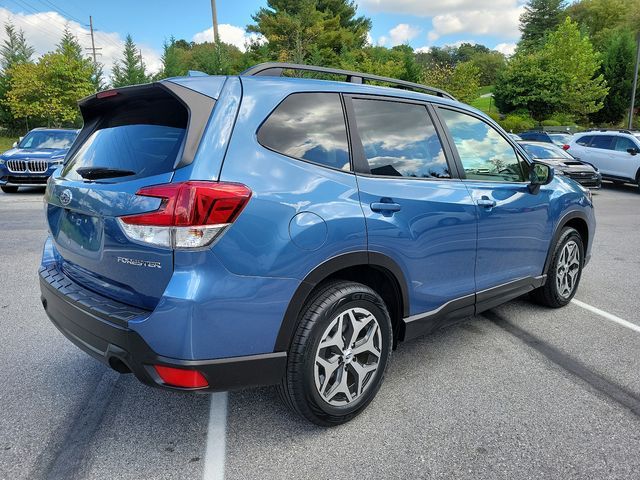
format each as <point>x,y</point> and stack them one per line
<point>123,349</point>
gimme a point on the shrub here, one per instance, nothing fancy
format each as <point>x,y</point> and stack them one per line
<point>517,123</point>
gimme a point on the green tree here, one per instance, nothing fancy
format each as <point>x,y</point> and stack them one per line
<point>302,31</point>
<point>490,64</point>
<point>47,92</point>
<point>539,19</point>
<point>461,81</point>
<point>13,51</point>
<point>617,69</point>
<point>560,77</point>
<point>603,18</point>
<point>130,69</point>
<point>172,61</point>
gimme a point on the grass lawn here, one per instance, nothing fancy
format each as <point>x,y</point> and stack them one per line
<point>6,143</point>
<point>485,104</point>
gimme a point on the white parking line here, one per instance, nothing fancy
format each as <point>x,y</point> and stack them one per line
<point>607,315</point>
<point>214,456</point>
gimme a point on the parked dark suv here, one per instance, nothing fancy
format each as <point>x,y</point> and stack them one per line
<point>209,232</point>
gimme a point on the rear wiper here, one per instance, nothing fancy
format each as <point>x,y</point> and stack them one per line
<point>97,173</point>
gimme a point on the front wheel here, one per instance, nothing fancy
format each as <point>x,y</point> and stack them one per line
<point>563,276</point>
<point>339,354</point>
<point>6,189</point>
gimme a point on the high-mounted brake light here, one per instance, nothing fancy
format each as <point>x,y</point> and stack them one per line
<point>191,214</point>
<point>107,94</point>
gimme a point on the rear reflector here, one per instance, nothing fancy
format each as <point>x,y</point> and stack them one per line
<point>191,214</point>
<point>180,377</point>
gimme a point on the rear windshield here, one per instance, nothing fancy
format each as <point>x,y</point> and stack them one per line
<point>139,134</point>
<point>143,149</point>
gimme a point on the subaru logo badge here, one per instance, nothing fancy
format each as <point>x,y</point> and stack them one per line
<point>65,197</point>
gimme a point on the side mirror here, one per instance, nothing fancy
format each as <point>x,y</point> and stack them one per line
<point>15,144</point>
<point>540,174</point>
<point>632,151</point>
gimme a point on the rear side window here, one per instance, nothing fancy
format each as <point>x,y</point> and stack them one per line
<point>584,141</point>
<point>399,139</point>
<point>142,135</point>
<point>602,141</point>
<point>309,126</point>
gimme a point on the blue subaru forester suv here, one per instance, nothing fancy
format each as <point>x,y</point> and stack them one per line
<point>209,233</point>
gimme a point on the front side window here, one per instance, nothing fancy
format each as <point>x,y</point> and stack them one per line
<point>622,144</point>
<point>602,141</point>
<point>584,140</point>
<point>399,139</point>
<point>484,153</point>
<point>309,126</point>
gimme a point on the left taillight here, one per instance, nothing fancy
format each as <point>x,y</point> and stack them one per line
<point>191,215</point>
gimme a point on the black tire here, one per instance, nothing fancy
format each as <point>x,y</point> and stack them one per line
<point>6,189</point>
<point>298,388</point>
<point>549,294</point>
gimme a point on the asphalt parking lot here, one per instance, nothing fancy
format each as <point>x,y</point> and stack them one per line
<point>519,392</point>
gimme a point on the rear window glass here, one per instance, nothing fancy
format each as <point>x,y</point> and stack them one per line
<point>584,140</point>
<point>601,141</point>
<point>145,150</point>
<point>139,133</point>
<point>309,126</point>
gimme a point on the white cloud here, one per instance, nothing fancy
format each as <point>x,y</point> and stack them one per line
<point>422,8</point>
<point>43,31</point>
<point>506,48</point>
<point>402,33</point>
<point>382,41</point>
<point>424,49</point>
<point>229,34</point>
<point>495,22</point>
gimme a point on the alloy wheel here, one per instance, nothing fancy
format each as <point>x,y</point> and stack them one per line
<point>568,269</point>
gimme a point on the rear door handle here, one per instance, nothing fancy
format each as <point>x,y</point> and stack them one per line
<point>486,202</point>
<point>382,207</point>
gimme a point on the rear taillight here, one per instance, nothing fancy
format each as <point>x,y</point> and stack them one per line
<point>191,215</point>
<point>565,147</point>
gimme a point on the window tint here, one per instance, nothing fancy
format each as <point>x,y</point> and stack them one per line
<point>584,140</point>
<point>602,141</point>
<point>399,139</point>
<point>622,144</point>
<point>144,149</point>
<point>484,153</point>
<point>309,126</point>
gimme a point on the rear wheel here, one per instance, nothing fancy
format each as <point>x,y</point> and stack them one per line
<point>6,189</point>
<point>563,276</point>
<point>339,354</point>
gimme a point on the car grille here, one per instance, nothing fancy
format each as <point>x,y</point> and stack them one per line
<point>33,166</point>
<point>587,179</point>
<point>30,180</point>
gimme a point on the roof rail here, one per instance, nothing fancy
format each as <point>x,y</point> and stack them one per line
<point>275,69</point>
<point>620,130</point>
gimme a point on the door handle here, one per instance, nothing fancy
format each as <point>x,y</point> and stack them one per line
<point>383,207</point>
<point>486,202</point>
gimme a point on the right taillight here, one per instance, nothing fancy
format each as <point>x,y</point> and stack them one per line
<point>191,215</point>
<point>565,147</point>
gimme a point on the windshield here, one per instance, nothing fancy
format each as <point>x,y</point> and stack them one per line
<point>48,139</point>
<point>546,152</point>
<point>560,138</point>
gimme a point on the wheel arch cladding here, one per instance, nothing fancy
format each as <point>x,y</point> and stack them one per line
<point>576,220</point>
<point>373,269</point>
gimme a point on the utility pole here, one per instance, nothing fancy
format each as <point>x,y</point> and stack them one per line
<point>214,16</point>
<point>94,50</point>
<point>140,56</point>
<point>635,83</point>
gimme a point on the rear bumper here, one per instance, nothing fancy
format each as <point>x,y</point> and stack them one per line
<point>98,326</point>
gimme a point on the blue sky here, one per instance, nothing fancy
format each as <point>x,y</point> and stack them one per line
<point>421,23</point>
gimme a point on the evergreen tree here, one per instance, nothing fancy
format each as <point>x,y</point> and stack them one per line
<point>130,69</point>
<point>70,47</point>
<point>171,64</point>
<point>617,69</point>
<point>14,49</point>
<point>539,18</point>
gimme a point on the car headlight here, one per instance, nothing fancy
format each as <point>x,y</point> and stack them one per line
<point>2,160</point>
<point>57,161</point>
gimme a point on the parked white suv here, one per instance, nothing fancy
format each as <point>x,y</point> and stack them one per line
<point>616,153</point>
